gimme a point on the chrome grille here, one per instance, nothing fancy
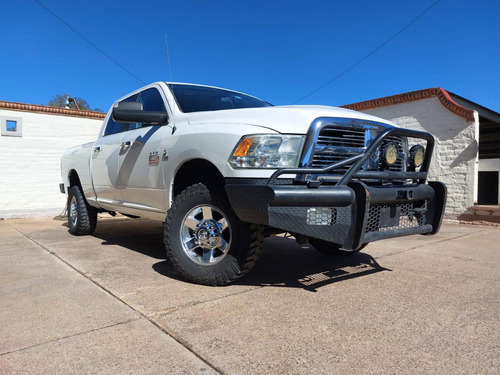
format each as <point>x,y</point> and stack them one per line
<point>324,160</point>
<point>335,144</point>
<point>341,137</point>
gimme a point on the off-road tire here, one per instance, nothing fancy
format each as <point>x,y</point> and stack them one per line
<point>82,218</point>
<point>243,248</point>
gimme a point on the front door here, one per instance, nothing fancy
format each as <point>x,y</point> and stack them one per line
<point>140,174</point>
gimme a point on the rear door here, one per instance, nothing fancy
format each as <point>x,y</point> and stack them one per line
<point>105,162</point>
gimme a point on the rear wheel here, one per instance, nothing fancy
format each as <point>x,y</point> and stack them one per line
<point>331,248</point>
<point>82,218</point>
<point>206,242</point>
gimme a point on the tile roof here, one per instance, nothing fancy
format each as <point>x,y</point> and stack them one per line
<point>443,96</point>
<point>51,110</point>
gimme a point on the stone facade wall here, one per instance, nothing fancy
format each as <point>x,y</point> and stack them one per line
<point>456,149</point>
<point>30,164</point>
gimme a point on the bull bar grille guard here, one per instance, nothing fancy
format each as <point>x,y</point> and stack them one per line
<point>349,212</point>
<point>357,162</point>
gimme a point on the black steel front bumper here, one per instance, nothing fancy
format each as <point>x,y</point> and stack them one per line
<point>349,212</point>
<point>347,215</point>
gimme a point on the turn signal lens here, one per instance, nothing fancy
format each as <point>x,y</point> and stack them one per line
<point>242,149</point>
<point>390,153</point>
<point>417,154</point>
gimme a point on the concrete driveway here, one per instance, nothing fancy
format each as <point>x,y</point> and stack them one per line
<point>109,304</point>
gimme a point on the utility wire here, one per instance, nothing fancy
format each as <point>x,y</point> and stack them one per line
<point>371,53</point>
<point>89,42</point>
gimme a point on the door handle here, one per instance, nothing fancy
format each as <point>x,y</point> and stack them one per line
<point>126,144</point>
<point>97,148</point>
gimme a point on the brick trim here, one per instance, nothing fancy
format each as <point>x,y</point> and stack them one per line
<point>51,110</point>
<point>438,92</point>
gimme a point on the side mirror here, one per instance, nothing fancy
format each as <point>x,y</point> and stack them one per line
<point>133,112</point>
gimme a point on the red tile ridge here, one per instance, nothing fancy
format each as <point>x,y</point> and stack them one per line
<point>443,96</point>
<point>51,110</point>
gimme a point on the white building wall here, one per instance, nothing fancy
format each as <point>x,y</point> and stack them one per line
<point>455,152</point>
<point>30,164</point>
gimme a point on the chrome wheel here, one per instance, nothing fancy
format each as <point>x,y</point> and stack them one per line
<point>205,235</point>
<point>73,210</point>
<point>205,241</point>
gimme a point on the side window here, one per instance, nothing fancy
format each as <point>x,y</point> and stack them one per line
<point>113,127</point>
<point>151,101</point>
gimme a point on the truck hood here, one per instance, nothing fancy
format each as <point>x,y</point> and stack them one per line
<point>294,119</point>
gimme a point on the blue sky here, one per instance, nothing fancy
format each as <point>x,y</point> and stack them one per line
<point>279,51</point>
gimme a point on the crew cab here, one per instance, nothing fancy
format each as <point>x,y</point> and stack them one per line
<point>223,169</point>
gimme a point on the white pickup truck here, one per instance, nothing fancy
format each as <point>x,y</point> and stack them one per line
<point>223,169</point>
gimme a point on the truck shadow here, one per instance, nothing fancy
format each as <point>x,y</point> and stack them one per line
<point>286,264</point>
<point>139,235</point>
<point>283,262</point>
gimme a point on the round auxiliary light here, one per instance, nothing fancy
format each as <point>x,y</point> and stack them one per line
<point>390,153</point>
<point>417,154</point>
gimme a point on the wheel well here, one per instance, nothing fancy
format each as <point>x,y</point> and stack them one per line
<point>74,180</point>
<point>195,171</point>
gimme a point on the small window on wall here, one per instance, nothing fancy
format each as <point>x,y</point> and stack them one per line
<point>12,126</point>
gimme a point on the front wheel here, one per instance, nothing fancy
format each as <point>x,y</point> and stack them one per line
<point>82,218</point>
<point>206,242</point>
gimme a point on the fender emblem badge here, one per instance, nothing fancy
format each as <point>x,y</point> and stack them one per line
<point>154,158</point>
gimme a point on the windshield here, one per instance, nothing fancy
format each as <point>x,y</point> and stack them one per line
<point>191,98</point>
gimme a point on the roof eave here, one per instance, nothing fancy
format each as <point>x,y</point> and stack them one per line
<point>443,96</point>
<point>13,106</point>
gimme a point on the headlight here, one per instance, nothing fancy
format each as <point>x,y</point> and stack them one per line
<point>417,154</point>
<point>267,151</point>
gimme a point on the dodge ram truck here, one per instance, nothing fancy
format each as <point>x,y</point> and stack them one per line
<point>223,170</point>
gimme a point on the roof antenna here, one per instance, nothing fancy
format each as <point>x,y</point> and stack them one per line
<point>168,58</point>
<point>174,128</point>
